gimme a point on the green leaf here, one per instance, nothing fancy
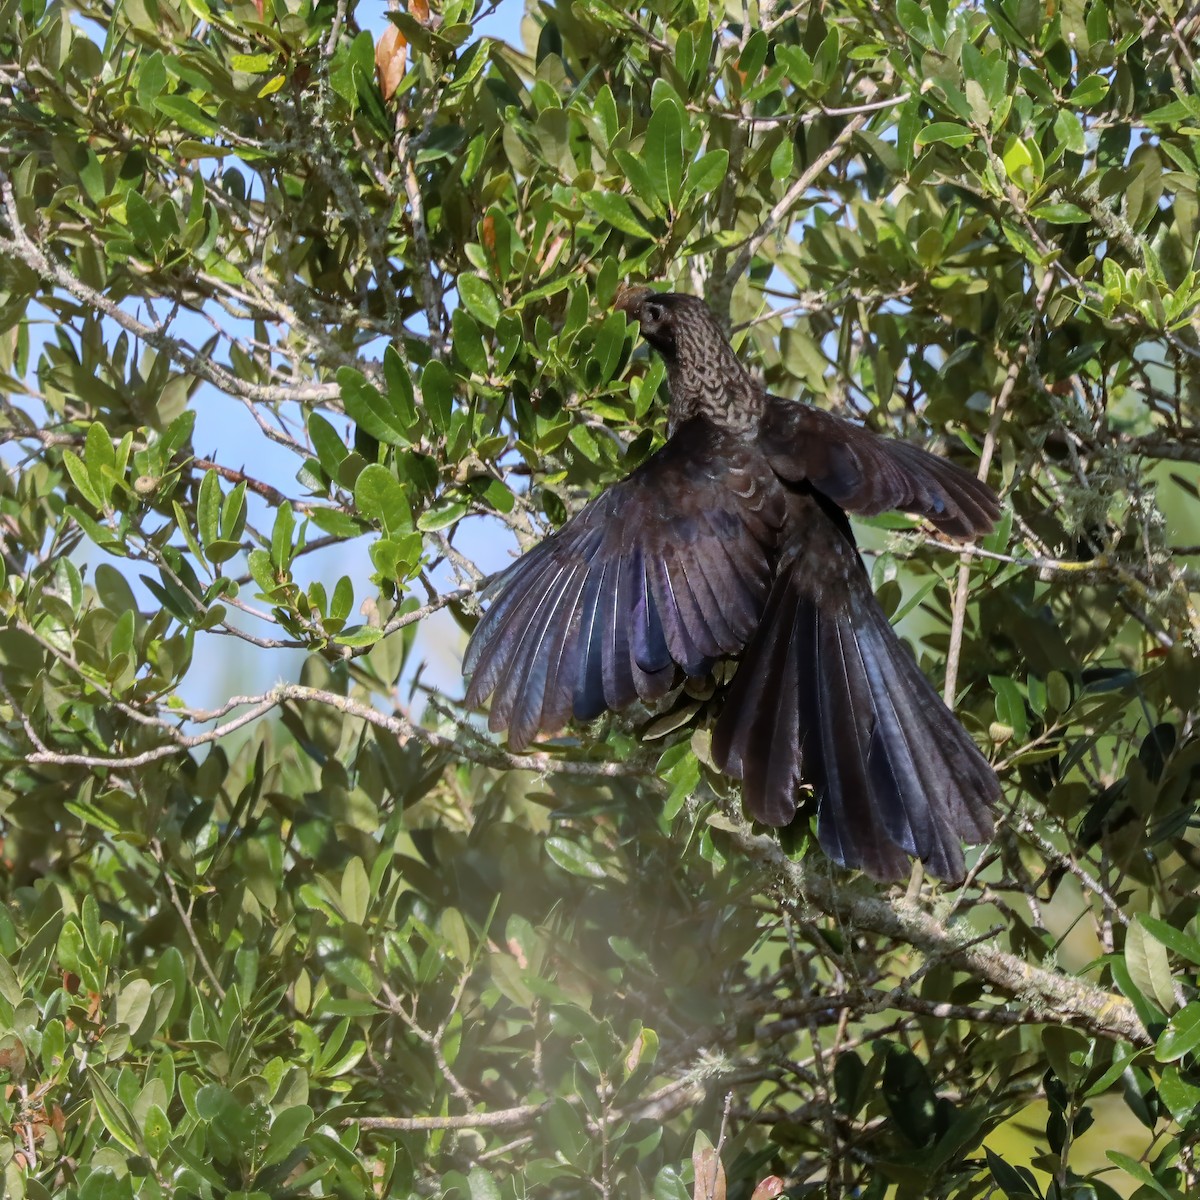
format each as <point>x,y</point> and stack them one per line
<point>133,1002</point>
<point>615,210</point>
<point>454,929</point>
<point>947,132</point>
<point>468,342</point>
<point>1018,163</point>
<point>208,509</point>
<point>753,55</point>
<point>287,1132</point>
<point>1149,969</point>
<point>369,410</point>
<point>261,571</point>
<point>114,1115</point>
<point>573,858</point>
<point>437,394</point>
<point>1068,129</point>
<point>379,496</point>
<point>1181,1098</point>
<point>1181,1036</point>
<point>707,173</point>
<point>281,537</point>
<point>10,986</point>
<point>582,438</point>
<point>681,769</point>
<point>233,513</point>
<point>783,159</point>
<point>1017,1183</point>
<point>101,460</point>
<point>483,1185</point>
<point>335,522</point>
<point>187,115</point>
<point>141,219</point>
<point>156,1130</point>
<point>797,63</point>
<point>254,64</point>
<point>909,1093</point>
<point>637,177</point>
<point>330,449</point>
<point>359,635</point>
<point>479,300</point>
<point>1089,91</point>
<point>1060,214</point>
<point>399,388</point>
<point>1174,939</point>
<point>1010,705</point>
<point>610,342</point>
<point>81,479</point>
<point>915,599</point>
<point>343,598</point>
<point>663,151</point>
<point>1142,1174</point>
<point>446,512</point>
<point>499,496</point>
<point>1123,1058</point>
<point>356,891</point>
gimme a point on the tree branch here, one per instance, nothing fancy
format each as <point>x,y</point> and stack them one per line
<point>1057,999</point>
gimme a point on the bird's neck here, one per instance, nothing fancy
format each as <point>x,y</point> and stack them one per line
<point>707,380</point>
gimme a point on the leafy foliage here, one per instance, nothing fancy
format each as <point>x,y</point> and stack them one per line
<point>328,938</point>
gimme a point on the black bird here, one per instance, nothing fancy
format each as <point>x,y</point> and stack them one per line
<point>733,540</point>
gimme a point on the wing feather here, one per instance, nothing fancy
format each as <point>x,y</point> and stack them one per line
<point>667,570</point>
<point>867,474</point>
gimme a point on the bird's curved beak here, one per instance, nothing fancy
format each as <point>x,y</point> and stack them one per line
<point>629,300</point>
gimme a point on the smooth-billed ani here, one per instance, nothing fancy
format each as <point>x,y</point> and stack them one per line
<point>733,540</point>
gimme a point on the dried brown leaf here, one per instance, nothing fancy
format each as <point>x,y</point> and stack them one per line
<point>768,1189</point>
<point>391,54</point>
<point>707,1171</point>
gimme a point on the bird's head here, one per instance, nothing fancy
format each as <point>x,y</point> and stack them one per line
<point>659,315</point>
<point>703,373</point>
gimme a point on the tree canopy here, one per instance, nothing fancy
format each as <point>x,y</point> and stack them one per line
<point>305,320</point>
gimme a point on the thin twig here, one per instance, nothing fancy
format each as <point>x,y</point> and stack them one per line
<point>958,608</point>
<point>396,725</point>
<point>784,207</point>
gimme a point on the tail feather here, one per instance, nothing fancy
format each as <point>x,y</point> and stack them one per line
<point>927,749</point>
<point>827,693</point>
<point>516,595</point>
<point>745,748</point>
<point>853,824</point>
<point>715,608</point>
<point>738,581</point>
<point>782,776</point>
<point>957,502</point>
<point>771,775</point>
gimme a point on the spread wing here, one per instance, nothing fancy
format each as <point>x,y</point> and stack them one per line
<point>669,568</point>
<point>867,474</point>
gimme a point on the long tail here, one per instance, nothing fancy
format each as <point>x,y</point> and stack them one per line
<point>827,694</point>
